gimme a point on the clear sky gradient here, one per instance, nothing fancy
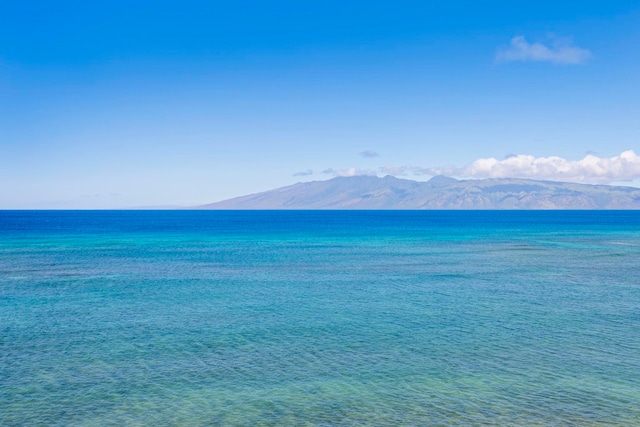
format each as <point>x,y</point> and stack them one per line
<point>122,104</point>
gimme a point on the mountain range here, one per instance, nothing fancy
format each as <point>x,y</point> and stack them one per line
<point>440,192</point>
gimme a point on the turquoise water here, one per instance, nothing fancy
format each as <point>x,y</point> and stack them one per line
<point>319,318</point>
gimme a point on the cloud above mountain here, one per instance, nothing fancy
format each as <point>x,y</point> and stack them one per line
<point>369,154</point>
<point>593,169</point>
<point>590,169</point>
<point>347,172</point>
<point>558,51</point>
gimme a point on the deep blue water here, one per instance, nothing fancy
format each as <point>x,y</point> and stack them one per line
<point>320,318</point>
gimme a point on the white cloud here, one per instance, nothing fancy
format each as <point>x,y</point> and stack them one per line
<point>593,169</point>
<point>403,170</point>
<point>304,173</point>
<point>395,170</point>
<point>559,51</point>
<point>347,172</point>
<point>369,154</point>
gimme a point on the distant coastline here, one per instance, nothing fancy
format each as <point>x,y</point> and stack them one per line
<point>440,192</point>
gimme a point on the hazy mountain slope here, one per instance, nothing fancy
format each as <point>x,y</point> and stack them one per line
<point>369,192</point>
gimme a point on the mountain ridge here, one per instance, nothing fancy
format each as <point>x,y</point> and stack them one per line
<point>440,192</point>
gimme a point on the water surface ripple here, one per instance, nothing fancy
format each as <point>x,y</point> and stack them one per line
<point>319,318</point>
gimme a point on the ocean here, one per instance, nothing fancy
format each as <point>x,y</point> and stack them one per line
<point>319,318</point>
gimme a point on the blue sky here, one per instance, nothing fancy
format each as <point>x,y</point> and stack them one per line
<point>120,104</point>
